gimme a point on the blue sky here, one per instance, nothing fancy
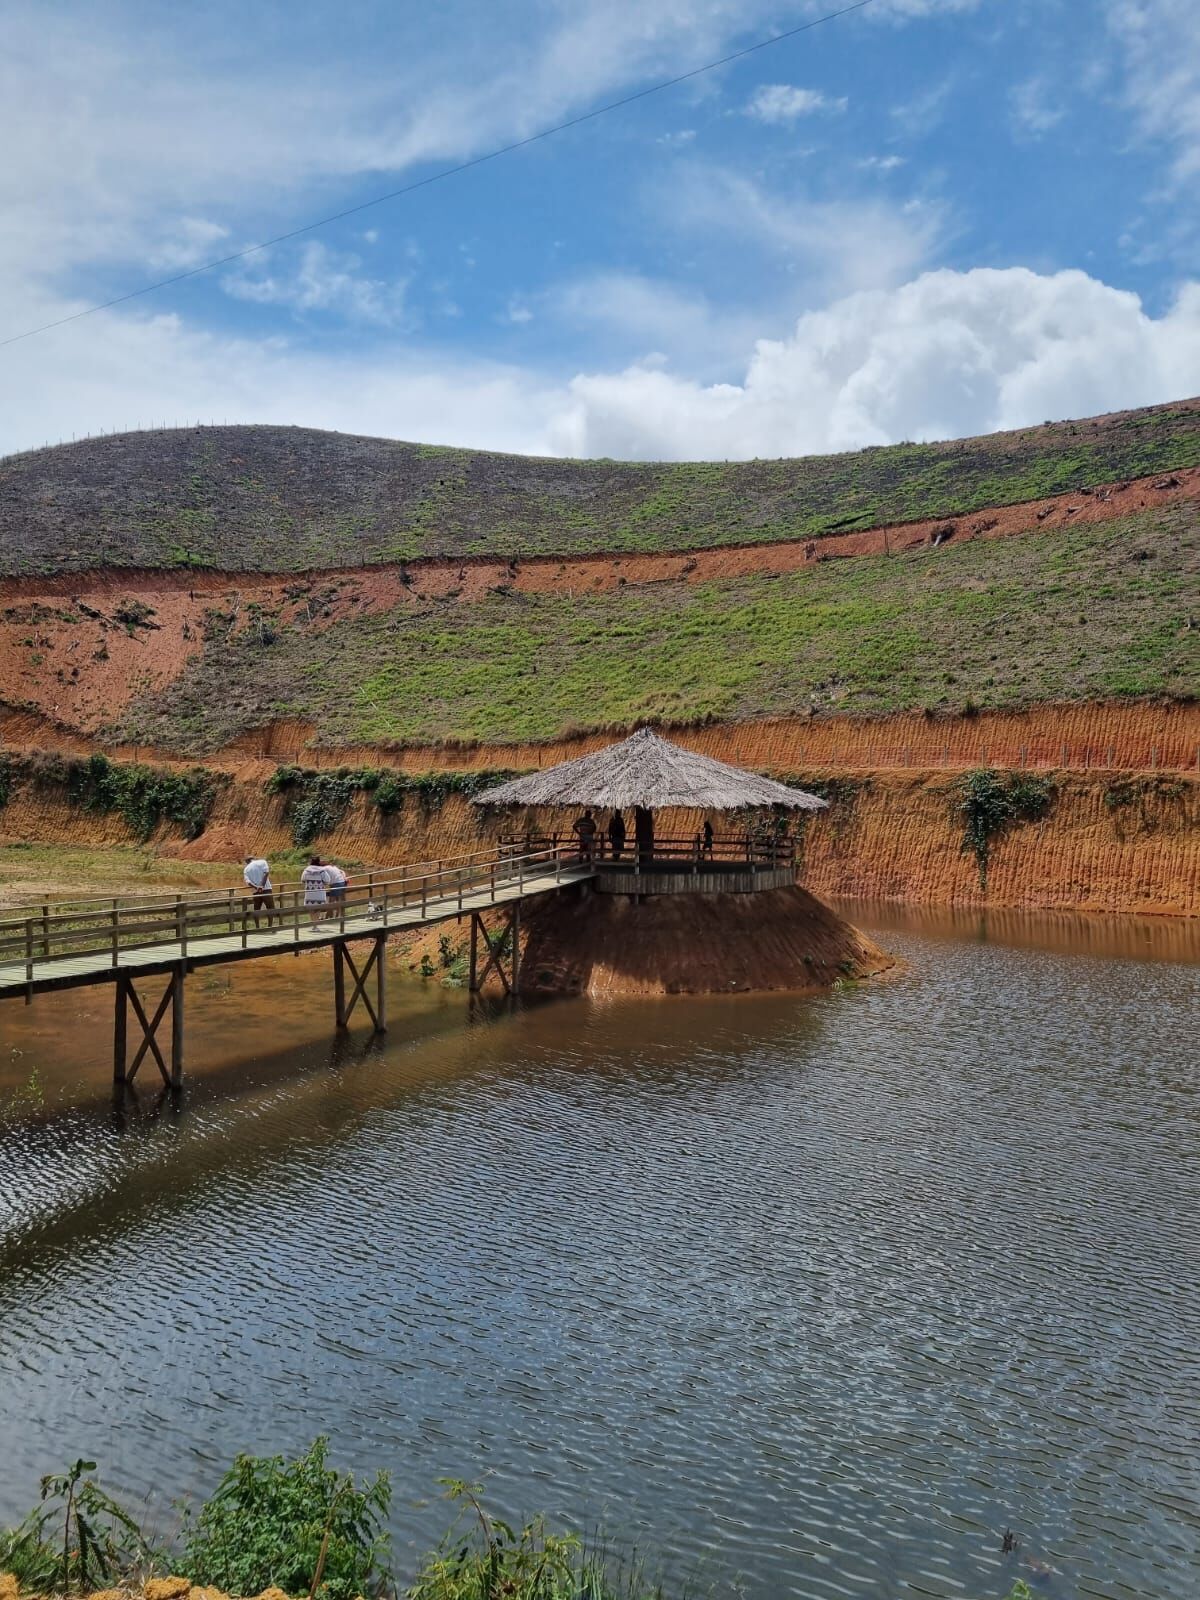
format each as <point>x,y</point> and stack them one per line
<point>927,218</point>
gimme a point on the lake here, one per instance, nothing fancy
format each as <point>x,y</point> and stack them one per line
<point>820,1295</point>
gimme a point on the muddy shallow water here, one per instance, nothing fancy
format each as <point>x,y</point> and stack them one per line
<point>818,1294</point>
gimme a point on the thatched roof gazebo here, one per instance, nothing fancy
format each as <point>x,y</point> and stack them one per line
<point>645,774</point>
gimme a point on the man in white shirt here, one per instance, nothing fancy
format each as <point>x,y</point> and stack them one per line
<point>256,875</point>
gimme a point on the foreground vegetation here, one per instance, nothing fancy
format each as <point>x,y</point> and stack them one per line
<point>288,499</point>
<point>304,1528</point>
<point>1093,612</point>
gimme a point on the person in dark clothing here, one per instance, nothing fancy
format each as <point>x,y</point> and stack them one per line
<point>643,833</point>
<point>616,835</point>
<point>708,838</point>
<point>585,827</point>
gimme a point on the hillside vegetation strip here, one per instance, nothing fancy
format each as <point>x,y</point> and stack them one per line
<point>270,499</point>
<point>1096,612</point>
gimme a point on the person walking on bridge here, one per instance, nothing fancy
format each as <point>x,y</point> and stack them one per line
<point>338,884</point>
<point>315,879</point>
<point>256,875</point>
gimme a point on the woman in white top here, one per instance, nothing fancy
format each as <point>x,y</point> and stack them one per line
<point>315,879</point>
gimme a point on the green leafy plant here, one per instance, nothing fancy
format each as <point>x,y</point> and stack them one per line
<point>485,1558</point>
<point>144,796</point>
<point>297,1525</point>
<point>76,1539</point>
<point>317,801</point>
<point>991,802</point>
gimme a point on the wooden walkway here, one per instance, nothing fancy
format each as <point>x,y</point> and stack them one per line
<point>93,942</point>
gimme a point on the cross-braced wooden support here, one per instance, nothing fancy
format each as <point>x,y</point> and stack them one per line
<point>507,942</point>
<point>342,959</point>
<point>128,999</point>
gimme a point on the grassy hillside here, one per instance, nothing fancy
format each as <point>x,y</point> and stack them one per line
<point>1078,613</point>
<point>288,499</point>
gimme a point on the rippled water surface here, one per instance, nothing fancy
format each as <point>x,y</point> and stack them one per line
<point>825,1292</point>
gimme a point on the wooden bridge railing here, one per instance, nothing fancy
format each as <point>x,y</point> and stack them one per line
<point>168,899</point>
<point>369,903</point>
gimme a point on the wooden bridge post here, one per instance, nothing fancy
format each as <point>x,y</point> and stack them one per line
<point>339,985</point>
<point>473,981</point>
<point>381,984</point>
<point>515,925</point>
<point>120,1029</point>
<point>177,1026</point>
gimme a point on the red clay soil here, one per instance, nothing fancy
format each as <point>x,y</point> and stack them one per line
<point>781,939</point>
<point>892,835</point>
<point>82,673</point>
<point>1096,736</point>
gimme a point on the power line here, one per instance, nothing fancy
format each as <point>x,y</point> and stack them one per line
<point>446,172</point>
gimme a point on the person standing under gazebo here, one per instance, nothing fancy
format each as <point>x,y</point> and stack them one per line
<point>585,828</point>
<point>643,833</point>
<point>616,835</point>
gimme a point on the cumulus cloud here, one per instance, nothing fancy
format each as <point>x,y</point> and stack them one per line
<point>786,102</point>
<point>950,354</point>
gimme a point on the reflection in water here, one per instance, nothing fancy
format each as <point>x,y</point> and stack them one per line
<point>834,1290</point>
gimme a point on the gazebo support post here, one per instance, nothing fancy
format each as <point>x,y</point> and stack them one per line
<point>643,833</point>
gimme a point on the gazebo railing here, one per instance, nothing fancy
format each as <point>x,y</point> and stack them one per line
<point>735,849</point>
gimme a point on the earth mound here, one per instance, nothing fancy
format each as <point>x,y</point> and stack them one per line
<point>780,939</point>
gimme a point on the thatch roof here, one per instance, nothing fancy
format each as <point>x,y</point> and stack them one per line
<point>645,770</point>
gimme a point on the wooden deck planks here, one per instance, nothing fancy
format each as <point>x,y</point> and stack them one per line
<point>96,966</point>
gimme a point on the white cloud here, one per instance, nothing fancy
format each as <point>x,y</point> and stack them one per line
<point>648,319</point>
<point>1037,106</point>
<point>786,102</point>
<point>1158,63</point>
<point>189,241</point>
<point>832,246</point>
<point>947,355</point>
<point>881,163</point>
<point>322,280</point>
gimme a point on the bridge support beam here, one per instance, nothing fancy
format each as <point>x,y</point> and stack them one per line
<point>127,1000</point>
<point>506,944</point>
<point>343,961</point>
